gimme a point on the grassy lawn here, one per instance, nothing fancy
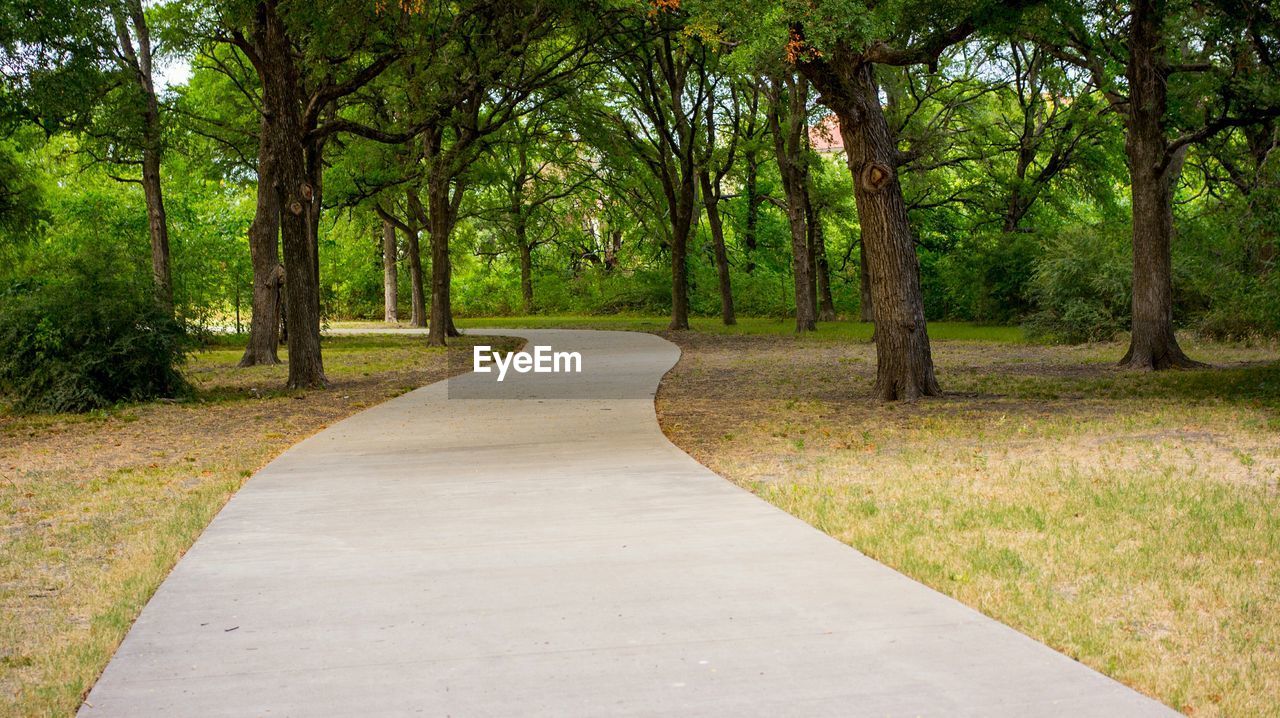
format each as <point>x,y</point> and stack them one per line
<point>96,509</point>
<point>1131,521</point>
<point>846,330</point>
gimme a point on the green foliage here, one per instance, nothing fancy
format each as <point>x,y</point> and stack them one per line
<point>985,279</point>
<point>87,333</point>
<point>1082,285</point>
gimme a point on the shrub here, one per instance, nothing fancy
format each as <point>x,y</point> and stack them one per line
<point>1081,285</point>
<point>87,335</point>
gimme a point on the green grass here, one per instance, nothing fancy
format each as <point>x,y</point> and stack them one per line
<point>746,326</point>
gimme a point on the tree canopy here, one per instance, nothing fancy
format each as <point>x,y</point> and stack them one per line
<point>1082,168</point>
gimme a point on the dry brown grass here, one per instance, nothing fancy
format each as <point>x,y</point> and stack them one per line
<point>96,509</point>
<point>1131,521</point>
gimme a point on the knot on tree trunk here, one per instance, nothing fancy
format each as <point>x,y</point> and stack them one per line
<point>875,176</point>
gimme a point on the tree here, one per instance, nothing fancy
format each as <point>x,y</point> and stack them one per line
<point>299,93</point>
<point>390,280</point>
<point>788,107</point>
<point>659,78</point>
<point>136,57</point>
<point>534,165</point>
<point>88,68</point>
<point>1177,74</point>
<point>712,168</point>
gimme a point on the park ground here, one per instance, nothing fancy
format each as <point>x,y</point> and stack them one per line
<point>1128,520</point>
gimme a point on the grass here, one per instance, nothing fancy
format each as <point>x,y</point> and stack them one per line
<point>1131,521</point>
<point>746,326</point>
<point>97,508</point>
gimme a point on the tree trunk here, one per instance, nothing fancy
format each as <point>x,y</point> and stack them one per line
<point>683,206</point>
<point>821,267</point>
<point>284,137</point>
<point>439,226</point>
<point>264,251</point>
<point>157,226</point>
<point>682,222</point>
<point>787,126</point>
<point>1153,172</point>
<point>526,266</point>
<point>710,200</point>
<point>904,363</point>
<point>865,312</point>
<point>138,60</point>
<point>752,192</point>
<point>417,294</point>
<point>390,275</point>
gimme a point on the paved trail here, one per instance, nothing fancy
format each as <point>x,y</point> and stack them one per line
<point>554,557</point>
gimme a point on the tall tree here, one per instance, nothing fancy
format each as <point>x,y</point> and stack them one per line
<point>788,105</point>
<point>135,54</point>
<point>658,76</point>
<point>715,164</point>
<point>839,52</point>
<point>89,68</point>
<point>390,275</point>
<point>1177,74</point>
<point>304,68</point>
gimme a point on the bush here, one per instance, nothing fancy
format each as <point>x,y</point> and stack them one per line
<point>1081,285</point>
<point>86,336</point>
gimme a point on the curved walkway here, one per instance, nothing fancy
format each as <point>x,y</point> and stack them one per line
<point>549,553</point>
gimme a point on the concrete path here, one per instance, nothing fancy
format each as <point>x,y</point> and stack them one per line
<point>551,556</point>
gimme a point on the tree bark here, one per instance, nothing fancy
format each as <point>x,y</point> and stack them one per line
<point>264,252</point>
<point>417,217</point>
<point>1153,171</point>
<point>440,215</point>
<point>681,225</point>
<point>710,200</point>
<point>390,275</point>
<point>752,192</point>
<point>526,265</point>
<point>283,138</point>
<point>904,362</point>
<point>865,312</point>
<point>137,58</point>
<point>787,127</point>
<point>821,266</point>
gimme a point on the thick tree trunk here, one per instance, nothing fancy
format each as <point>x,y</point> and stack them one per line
<point>440,326</point>
<point>710,200</point>
<point>390,275</point>
<point>284,139</point>
<point>612,249</point>
<point>805,319</point>
<point>1153,172</point>
<point>904,363</point>
<point>417,291</point>
<point>268,274</point>
<point>682,202</point>
<point>157,225</point>
<point>865,312</point>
